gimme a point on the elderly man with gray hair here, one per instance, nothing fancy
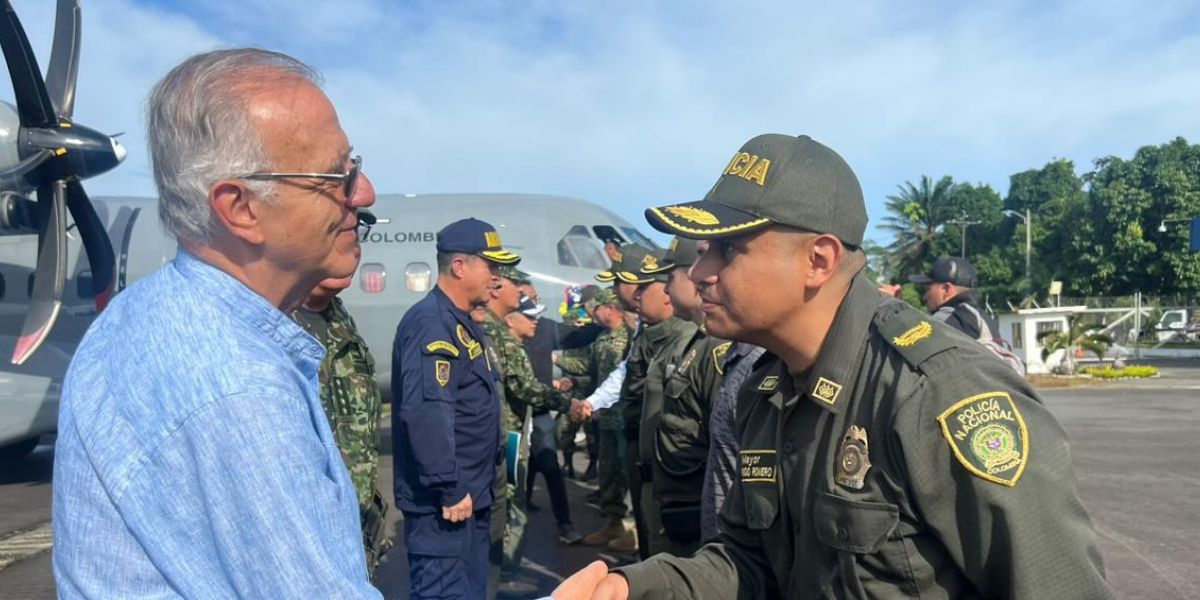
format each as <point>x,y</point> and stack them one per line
<point>193,457</point>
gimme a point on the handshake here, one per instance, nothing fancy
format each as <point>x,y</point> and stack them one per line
<point>581,410</point>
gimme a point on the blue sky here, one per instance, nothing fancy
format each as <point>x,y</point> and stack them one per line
<point>636,103</point>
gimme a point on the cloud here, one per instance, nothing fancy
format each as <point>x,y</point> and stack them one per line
<point>629,104</point>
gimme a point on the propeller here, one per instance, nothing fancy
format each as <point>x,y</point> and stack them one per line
<point>55,155</point>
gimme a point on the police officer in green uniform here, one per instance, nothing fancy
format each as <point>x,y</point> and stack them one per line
<point>667,338</point>
<point>350,397</point>
<point>882,454</point>
<point>679,443</point>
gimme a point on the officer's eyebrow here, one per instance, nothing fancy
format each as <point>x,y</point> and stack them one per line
<point>339,165</point>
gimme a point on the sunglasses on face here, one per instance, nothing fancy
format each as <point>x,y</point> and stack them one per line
<point>349,179</point>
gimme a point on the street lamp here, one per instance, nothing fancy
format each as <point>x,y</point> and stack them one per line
<point>1028,220</point>
<point>1162,225</point>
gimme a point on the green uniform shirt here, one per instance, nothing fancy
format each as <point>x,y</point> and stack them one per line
<point>349,393</point>
<point>908,462</point>
<point>681,438</point>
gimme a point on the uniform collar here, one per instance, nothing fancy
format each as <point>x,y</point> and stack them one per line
<point>459,314</point>
<point>837,363</point>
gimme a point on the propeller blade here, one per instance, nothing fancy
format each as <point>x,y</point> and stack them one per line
<point>51,272</point>
<point>25,165</point>
<point>95,242</point>
<point>64,58</point>
<point>33,103</point>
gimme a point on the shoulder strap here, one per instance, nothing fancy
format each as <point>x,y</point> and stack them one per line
<point>913,336</point>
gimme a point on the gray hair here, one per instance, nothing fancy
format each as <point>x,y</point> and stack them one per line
<point>199,131</point>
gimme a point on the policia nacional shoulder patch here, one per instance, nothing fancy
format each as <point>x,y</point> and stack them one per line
<point>988,436</point>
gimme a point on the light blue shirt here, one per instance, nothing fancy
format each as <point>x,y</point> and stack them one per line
<point>193,457</point>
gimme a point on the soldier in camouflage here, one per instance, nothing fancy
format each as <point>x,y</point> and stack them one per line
<point>606,354</point>
<point>523,393</point>
<point>350,397</point>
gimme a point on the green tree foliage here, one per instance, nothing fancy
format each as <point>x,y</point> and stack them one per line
<point>1116,248</point>
<point>1079,335</point>
<point>914,217</point>
<point>1096,232</point>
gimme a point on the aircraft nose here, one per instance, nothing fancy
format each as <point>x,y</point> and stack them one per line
<point>118,150</point>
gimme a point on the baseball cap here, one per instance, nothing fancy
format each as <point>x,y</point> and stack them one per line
<point>604,298</point>
<point>472,236</point>
<point>511,272</point>
<point>949,269</point>
<point>628,268</point>
<point>774,179</point>
<point>653,267</point>
<point>683,252</point>
<point>530,308</point>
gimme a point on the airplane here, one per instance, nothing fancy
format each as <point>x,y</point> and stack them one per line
<point>560,240</point>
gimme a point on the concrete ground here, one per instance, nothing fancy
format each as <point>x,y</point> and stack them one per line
<point>1135,450</point>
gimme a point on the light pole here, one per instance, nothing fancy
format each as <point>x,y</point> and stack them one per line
<point>963,222</point>
<point>1028,220</point>
<point>1162,225</point>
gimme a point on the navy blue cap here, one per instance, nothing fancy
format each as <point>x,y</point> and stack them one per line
<point>472,236</point>
<point>949,269</point>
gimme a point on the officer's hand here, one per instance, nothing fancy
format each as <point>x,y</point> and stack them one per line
<point>586,410</point>
<point>459,512</point>
<point>564,385</point>
<point>593,582</point>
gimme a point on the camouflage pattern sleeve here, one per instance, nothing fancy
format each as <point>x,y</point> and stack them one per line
<point>521,387</point>
<point>576,362</point>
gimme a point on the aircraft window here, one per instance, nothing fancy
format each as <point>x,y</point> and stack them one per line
<point>638,238</point>
<point>418,277</point>
<point>581,251</point>
<point>83,285</point>
<point>2,286</point>
<point>372,278</point>
<point>608,232</point>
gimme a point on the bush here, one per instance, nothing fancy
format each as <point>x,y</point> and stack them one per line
<point>1130,372</point>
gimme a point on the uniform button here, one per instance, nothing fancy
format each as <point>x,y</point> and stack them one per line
<point>843,534</point>
<point>787,447</point>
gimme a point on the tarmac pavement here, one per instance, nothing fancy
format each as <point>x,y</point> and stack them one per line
<point>1135,449</point>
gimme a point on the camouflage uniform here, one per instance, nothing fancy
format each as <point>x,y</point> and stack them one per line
<point>350,397</point>
<point>607,352</point>
<point>575,363</point>
<point>523,393</point>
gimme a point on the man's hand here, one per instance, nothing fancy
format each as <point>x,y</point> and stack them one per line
<point>581,410</point>
<point>564,385</point>
<point>593,582</point>
<point>459,512</point>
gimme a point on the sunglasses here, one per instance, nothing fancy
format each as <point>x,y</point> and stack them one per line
<point>349,179</point>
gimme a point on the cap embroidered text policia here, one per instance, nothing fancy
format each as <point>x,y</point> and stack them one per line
<point>778,179</point>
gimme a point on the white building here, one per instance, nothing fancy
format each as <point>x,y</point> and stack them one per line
<point>1023,327</point>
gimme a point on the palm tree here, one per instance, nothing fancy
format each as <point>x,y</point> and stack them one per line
<point>914,217</point>
<point>1078,335</point>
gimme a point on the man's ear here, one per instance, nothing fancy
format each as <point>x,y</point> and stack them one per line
<point>825,255</point>
<point>458,266</point>
<point>237,210</point>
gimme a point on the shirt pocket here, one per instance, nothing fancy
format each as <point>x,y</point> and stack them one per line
<point>872,556</point>
<point>759,481</point>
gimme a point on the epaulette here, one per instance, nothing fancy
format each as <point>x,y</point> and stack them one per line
<point>911,333</point>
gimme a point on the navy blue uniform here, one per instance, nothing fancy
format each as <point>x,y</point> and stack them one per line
<point>445,424</point>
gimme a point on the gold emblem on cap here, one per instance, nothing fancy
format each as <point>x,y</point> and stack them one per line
<point>914,335</point>
<point>649,262</point>
<point>617,256</point>
<point>827,391</point>
<point>492,239</point>
<point>698,216</point>
<point>853,459</point>
<point>749,167</point>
